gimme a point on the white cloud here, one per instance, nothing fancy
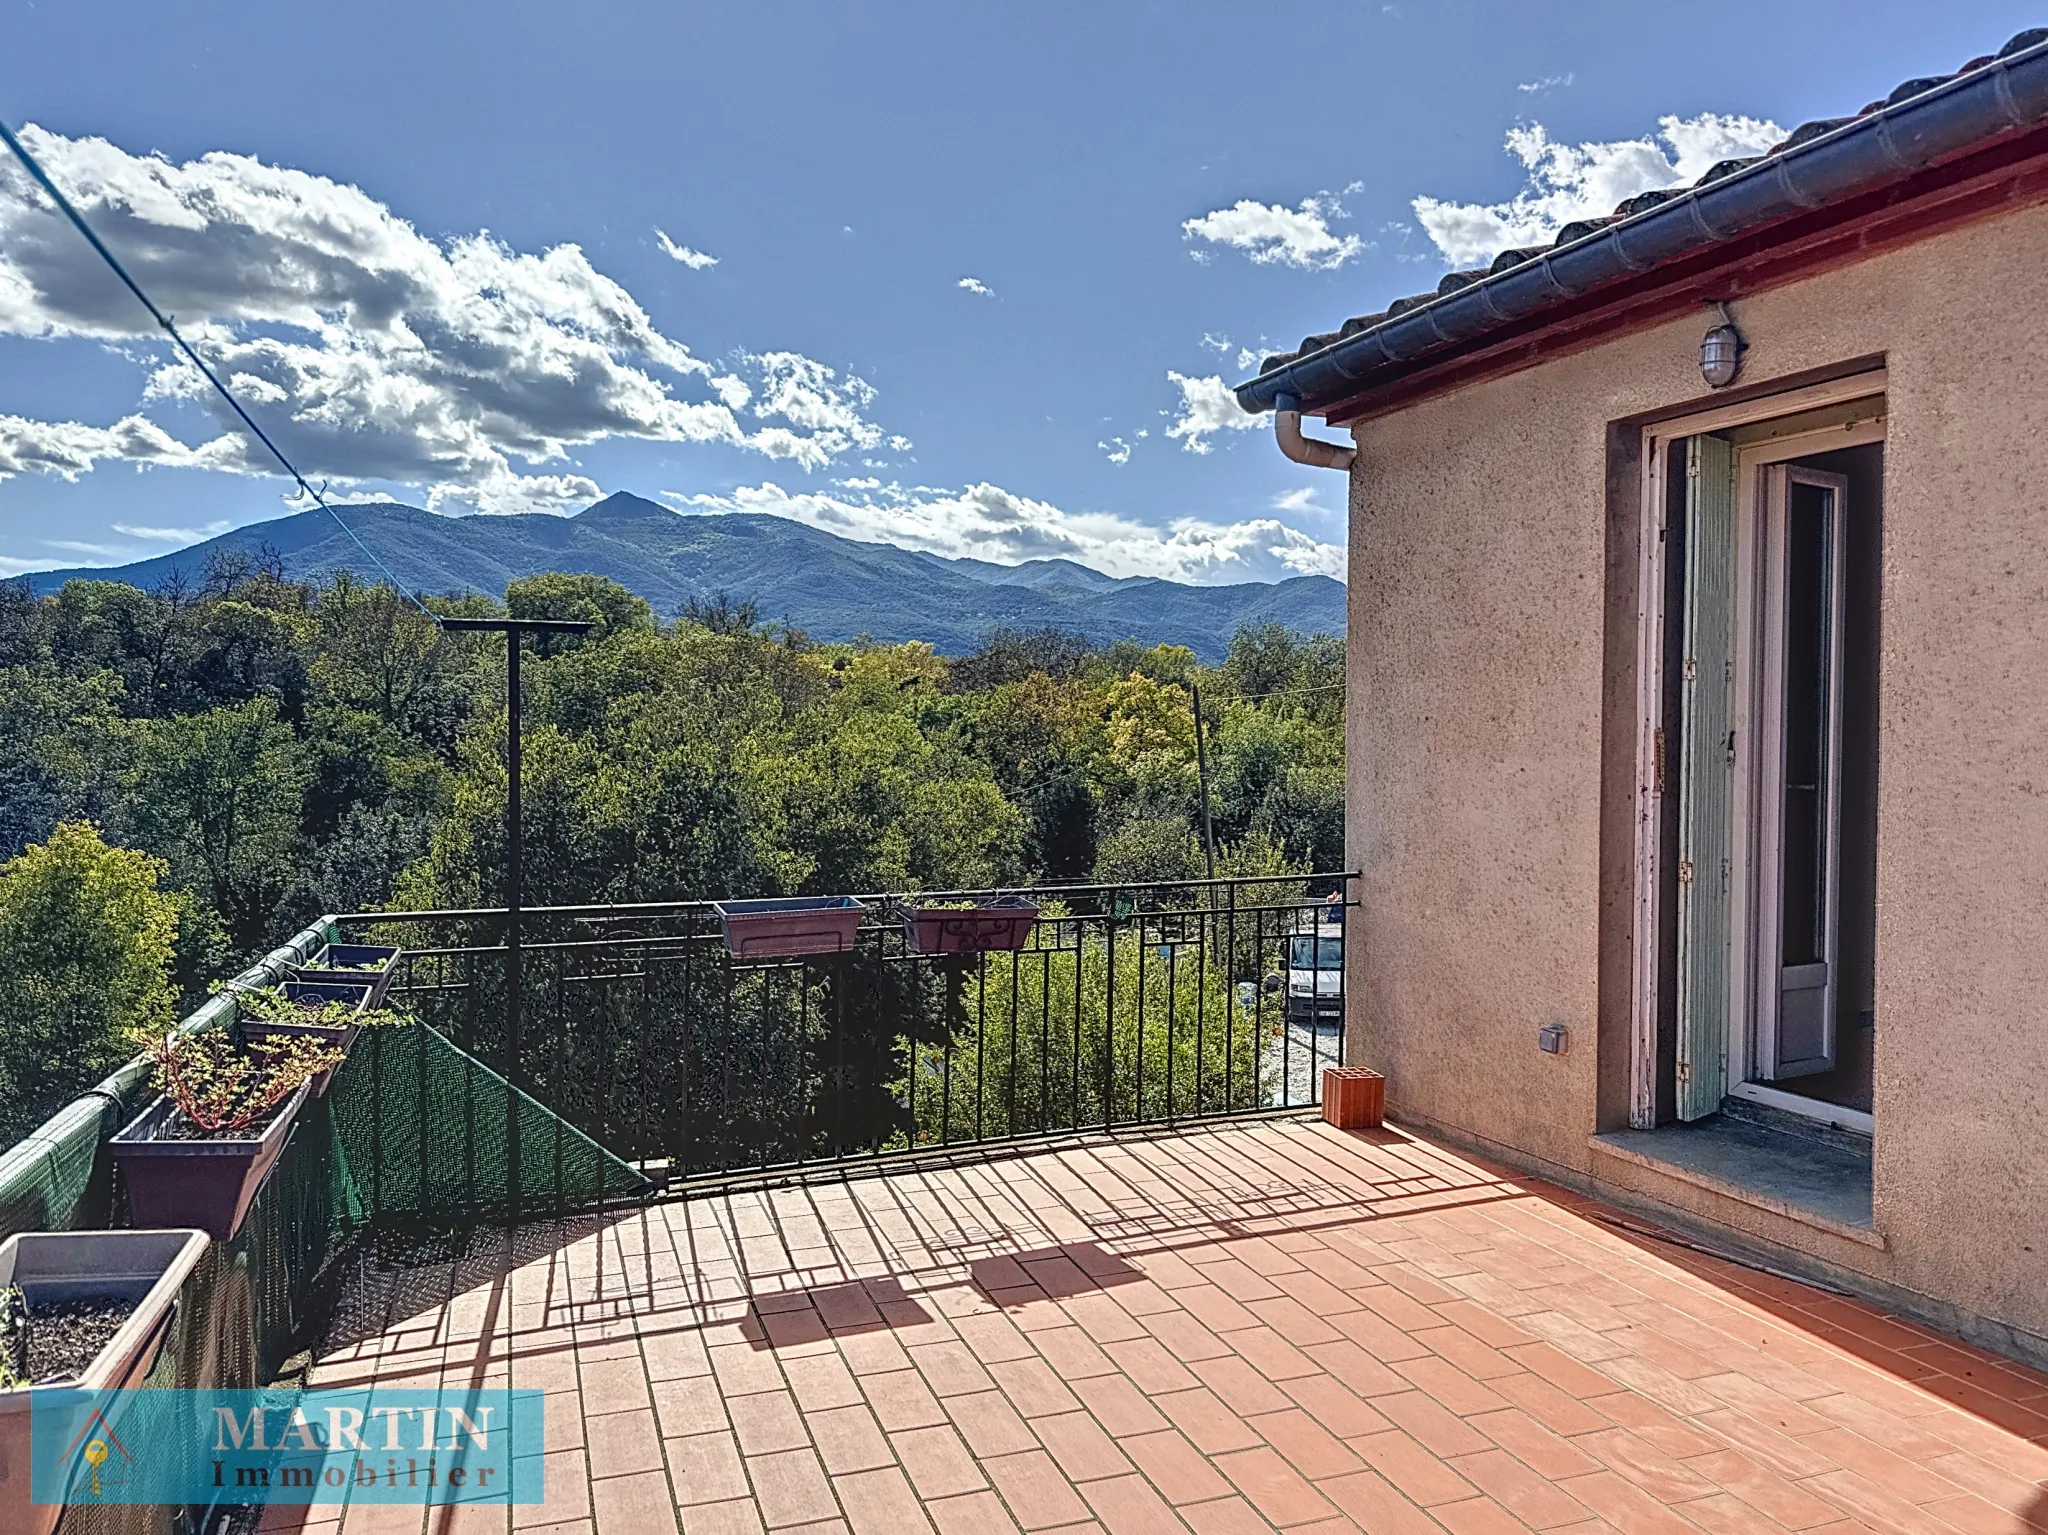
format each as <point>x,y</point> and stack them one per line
<point>174,535</point>
<point>976,285</point>
<point>68,449</point>
<point>1579,181</point>
<point>1117,450</point>
<point>1547,83</point>
<point>1298,500</point>
<point>987,522</point>
<point>91,551</point>
<point>696,261</point>
<point>1206,407</point>
<point>369,350</point>
<point>1297,237</point>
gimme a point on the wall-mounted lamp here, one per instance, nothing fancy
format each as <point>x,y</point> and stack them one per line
<point>1721,352</point>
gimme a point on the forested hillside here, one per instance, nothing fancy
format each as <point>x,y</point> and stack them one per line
<point>263,750</point>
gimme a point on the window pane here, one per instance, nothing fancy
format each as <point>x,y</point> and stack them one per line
<point>1809,548</point>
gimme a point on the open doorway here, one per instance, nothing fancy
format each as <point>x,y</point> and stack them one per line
<point>1766,765</point>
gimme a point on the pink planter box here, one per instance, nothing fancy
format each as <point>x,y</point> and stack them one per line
<point>1004,923</point>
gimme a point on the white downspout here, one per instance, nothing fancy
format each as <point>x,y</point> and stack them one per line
<point>1305,450</point>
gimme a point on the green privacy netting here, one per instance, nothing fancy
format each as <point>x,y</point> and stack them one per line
<point>413,1132</point>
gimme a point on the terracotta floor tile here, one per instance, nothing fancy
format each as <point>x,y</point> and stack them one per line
<point>1413,1469</point>
<point>938,1462</point>
<point>1625,1506</point>
<point>1309,1447</point>
<point>974,1513</point>
<point>901,1399</point>
<point>638,1504</point>
<point>1072,1353</point>
<point>1079,1444</point>
<point>1477,1516</point>
<point>1129,1505</point>
<point>951,1368</point>
<point>741,1516</point>
<point>1241,1388</point>
<point>1441,1431</point>
<point>848,1439</point>
<point>1763,1489</point>
<point>820,1381</point>
<point>1225,1516</point>
<point>1271,1354</point>
<point>1119,1405</point>
<point>1532,1498</point>
<point>1155,1367</point>
<point>791,1488</point>
<point>1377,1506</point>
<point>1180,1471</point>
<point>1089,1342</point>
<point>706,1468</point>
<point>767,1421</point>
<point>1876,1506</point>
<point>1273,1487</point>
<point>1203,1417</point>
<point>1038,1494</point>
<point>1334,1405</point>
<point>881,1503</point>
<point>622,1443</point>
<point>1636,1460</point>
<point>1034,1387</point>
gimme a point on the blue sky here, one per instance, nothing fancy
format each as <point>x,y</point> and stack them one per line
<point>979,269</point>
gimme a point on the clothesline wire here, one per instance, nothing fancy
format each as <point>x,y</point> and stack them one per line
<point>170,328</point>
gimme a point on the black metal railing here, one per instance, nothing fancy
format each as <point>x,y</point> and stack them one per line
<point>1127,1005</point>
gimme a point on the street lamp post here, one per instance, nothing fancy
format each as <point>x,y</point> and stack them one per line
<point>515,631</point>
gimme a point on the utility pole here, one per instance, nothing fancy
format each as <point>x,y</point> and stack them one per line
<point>515,630</point>
<point>1202,770</point>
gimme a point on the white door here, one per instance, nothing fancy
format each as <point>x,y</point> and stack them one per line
<point>1797,806</point>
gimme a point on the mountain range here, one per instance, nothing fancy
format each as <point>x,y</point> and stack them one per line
<point>834,588</point>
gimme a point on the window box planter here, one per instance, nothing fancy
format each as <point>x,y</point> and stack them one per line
<point>789,925</point>
<point>346,964</point>
<point>1004,923</point>
<point>146,1268</point>
<point>359,992</point>
<point>203,1183</point>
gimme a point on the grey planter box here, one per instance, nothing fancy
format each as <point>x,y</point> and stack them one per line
<point>145,1266</point>
<point>208,1184</point>
<point>340,964</point>
<point>789,925</point>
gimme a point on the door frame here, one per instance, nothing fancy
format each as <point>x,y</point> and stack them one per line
<point>1854,413</point>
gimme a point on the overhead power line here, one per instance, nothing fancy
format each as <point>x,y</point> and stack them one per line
<point>170,329</point>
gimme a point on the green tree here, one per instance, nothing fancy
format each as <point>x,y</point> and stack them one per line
<point>218,796</point>
<point>86,937</point>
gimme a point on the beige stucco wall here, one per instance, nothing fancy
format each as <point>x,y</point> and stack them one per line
<point>1478,588</point>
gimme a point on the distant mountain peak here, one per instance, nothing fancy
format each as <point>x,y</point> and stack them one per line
<point>833,587</point>
<point>624,506</point>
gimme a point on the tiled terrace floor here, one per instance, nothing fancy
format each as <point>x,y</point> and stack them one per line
<point>1276,1325</point>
